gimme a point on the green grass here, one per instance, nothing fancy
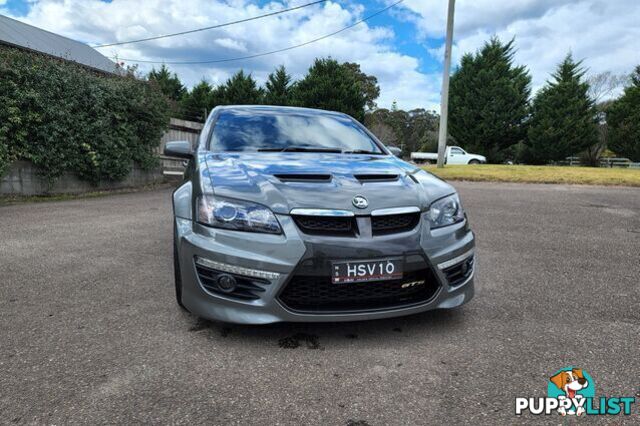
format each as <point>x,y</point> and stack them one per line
<point>539,174</point>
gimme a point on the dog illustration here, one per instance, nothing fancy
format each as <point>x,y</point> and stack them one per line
<point>570,382</point>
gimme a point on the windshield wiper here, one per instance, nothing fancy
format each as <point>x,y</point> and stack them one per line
<point>300,149</point>
<point>363,151</point>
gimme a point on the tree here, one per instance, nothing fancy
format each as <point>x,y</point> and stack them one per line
<point>563,121</point>
<point>331,86</point>
<point>591,155</point>
<point>413,130</point>
<point>278,87</point>
<point>623,118</point>
<point>488,100</point>
<point>240,89</point>
<point>382,124</point>
<point>198,101</point>
<point>169,84</point>
<point>422,131</point>
<point>604,84</point>
<point>368,84</point>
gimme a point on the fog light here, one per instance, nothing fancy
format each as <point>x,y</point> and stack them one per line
<point>226,283</point>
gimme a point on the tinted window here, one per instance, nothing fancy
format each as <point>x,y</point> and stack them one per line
<point>254,130</point>
<point>456,151</point>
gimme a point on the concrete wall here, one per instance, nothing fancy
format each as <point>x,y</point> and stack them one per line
<point>22,179</point>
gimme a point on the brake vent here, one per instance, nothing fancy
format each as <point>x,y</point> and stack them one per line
<point>304,177</point>
<point>376,178</point>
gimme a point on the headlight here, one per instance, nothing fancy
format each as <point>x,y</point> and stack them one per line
<point>238,215</point>
<point>446,211</point>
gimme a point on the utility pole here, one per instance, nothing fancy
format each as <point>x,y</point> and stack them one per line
<point>444,101</point>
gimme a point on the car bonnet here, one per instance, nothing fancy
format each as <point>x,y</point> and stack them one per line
<point>284,181</point>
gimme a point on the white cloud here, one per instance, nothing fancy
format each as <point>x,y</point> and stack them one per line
<point>604,33</point>
<point>95,21</point>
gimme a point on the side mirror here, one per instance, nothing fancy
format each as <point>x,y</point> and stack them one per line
<point>180,149</point>
<point>395,150</point>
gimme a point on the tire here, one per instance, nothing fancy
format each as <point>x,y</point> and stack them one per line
<point>176,269</point>
<point>474,162</point>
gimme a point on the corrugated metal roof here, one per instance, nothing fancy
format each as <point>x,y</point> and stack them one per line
<point>23,35</point>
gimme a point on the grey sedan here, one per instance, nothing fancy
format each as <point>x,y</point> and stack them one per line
<point>294,214</point>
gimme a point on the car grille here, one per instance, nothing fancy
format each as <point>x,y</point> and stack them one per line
<point>348,226</point>
<point>318,294</point>
<point>327,225</point>
<point>247,288</point>
<point>390,224</point>
<point>457,274</point>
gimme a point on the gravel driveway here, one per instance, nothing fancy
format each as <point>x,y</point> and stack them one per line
<point>90,332</point>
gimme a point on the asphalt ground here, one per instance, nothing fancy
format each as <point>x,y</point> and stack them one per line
<point>90,332</point>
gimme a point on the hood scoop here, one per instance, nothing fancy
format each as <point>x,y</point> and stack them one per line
<point>303,177</point>
<point>383,177</point>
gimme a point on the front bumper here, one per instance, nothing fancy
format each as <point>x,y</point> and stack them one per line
<point>283,254</point>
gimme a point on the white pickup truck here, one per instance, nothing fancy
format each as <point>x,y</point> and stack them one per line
<point>452,155</point>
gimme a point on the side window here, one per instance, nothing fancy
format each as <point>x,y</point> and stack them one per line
<point>457,151</point>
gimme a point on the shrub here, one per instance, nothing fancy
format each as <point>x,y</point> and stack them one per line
<point>63,117</point>
<point>4,159</point>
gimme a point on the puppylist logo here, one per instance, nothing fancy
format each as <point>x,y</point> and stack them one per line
<point>571,392</point>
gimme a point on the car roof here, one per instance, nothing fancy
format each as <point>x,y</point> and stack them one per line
<point>280,109</point>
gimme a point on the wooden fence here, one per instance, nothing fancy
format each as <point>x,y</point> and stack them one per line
<point>179,130</point>
<point>603,162</point>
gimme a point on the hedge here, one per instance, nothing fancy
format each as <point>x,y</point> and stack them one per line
<point>66,118</point>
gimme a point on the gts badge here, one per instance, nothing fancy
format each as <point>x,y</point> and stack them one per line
<point>412,284</point>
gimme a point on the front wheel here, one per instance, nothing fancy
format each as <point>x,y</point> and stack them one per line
<point>176,269</point>
<point>474,162</point>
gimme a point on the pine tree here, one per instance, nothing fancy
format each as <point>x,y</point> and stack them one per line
<point>278,87</point>
<point>331,86</point>
<point>240,89</point>
<point>623,119</point>
<point>169,84</point>
<point>488,100</point>
<point>563,121</point>
<point>198,101</point>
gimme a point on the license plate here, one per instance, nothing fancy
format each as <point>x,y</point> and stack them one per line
<point>366,270</point>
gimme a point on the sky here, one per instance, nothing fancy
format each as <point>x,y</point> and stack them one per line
<point>402,47</point>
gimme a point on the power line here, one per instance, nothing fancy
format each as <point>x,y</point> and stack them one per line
<point>208,28</point>
<point>257,55</point>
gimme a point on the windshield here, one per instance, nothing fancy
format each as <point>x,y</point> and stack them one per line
<point>295,130</point>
